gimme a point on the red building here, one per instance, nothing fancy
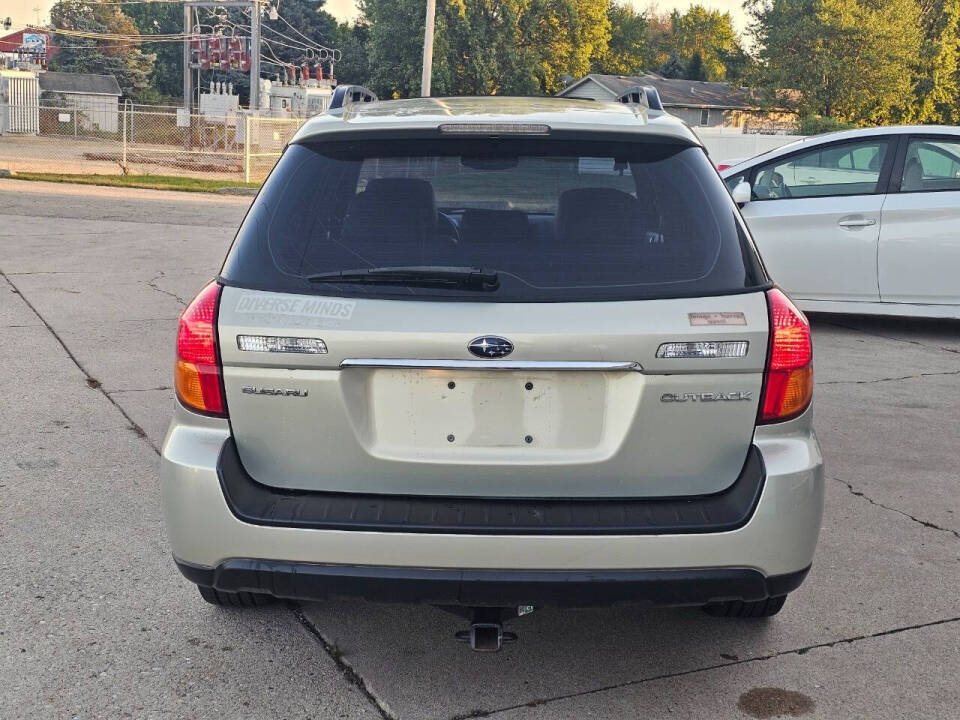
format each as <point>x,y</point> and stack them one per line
<point>29,41</point>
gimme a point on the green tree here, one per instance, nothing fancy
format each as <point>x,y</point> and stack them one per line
<point>122,59</point>
<point>628,51</point>
<point>395,45</point>
<point>166,76</point>
<point>850,60</point>
<point>708,34</point>
<point>695,69</point>
<point>937,72</point>
<point>516,47</point>
<point>353,41</point>
<point>557,38</point>
<point>673,68</point>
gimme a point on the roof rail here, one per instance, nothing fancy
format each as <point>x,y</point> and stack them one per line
<point>346,95</point>
<point>642,95</point>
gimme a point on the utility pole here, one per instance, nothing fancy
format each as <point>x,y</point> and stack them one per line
<point>428,49</point>
<point>254,56</point>
<point>187,56</point>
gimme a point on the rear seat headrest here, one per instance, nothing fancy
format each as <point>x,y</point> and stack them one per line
<point>581,211</point>
<point>398,204</point>
<point>486,226</point>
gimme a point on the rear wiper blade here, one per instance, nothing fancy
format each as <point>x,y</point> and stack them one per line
<point>415,276</point>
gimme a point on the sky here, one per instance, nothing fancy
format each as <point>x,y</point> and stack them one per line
<point>22,12</point>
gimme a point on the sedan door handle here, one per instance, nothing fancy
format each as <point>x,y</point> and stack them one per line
<point>863,222</point>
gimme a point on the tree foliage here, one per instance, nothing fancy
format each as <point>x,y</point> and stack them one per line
<point>497,47</point>
<point>850,60</point>
<point>124,60</point>
<point>628,50</point>
<point>707,34</point>
<point>166,76</point>
<point>643,41</point>
<point>937,71</point>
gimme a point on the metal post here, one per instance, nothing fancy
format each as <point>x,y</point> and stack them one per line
<point>255,55</point>
<point>187,75</point>
<point>123,119</point>
<point>246,147</point>
<point>428,49</point>
<point>74,117</point>
<point>187,54</point>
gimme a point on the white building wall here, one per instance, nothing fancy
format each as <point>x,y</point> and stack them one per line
<point>19,100</point>
<point>96,112</point>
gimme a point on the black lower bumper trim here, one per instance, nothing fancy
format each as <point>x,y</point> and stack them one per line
<point>493,588</point>
<point>259,504</point>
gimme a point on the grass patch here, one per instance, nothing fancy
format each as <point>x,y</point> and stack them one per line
<point>150,182</point>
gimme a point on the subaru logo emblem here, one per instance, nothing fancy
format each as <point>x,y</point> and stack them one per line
<point>490,346</point>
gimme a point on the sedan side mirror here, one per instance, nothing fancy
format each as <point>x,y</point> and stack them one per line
<point>742,193</point>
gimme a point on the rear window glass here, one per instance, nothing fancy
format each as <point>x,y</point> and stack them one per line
<point>551,220</point>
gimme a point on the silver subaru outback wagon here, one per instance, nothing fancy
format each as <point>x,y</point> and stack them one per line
<point>492,354</point>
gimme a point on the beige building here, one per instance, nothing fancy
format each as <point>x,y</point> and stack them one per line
<point>699,104</point>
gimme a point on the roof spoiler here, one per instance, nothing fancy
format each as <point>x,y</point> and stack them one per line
<point>346,95</point>
<point>646,95</point>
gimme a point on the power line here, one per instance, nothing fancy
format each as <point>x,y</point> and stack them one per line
<point>316,45</point>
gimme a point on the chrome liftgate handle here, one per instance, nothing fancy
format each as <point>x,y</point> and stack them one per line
<point>528,365</point>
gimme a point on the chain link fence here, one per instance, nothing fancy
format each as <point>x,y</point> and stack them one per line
<point>91,136</point>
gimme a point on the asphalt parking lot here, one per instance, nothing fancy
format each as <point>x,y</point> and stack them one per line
<point>97,622</point>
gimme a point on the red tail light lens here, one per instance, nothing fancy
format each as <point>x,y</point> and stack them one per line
<point>788,383</point>
<point>197,375</point>
<point>722,166</point>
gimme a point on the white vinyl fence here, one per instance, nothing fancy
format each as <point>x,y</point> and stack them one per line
<point>725,144</point>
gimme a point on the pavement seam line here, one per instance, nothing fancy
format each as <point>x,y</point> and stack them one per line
<point>349,673</point>
<point>682,673</point>
<point>918,376</point>
<point>925,523</point>
<point>92,382</point>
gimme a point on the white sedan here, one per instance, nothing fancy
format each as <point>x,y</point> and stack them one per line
<point>861,221</point>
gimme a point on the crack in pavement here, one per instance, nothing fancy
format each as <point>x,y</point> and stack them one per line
<point>890,337</point>
<point>152,282</point>
<point>92,382</point>
<point>925,523</point>
<point>132,390</point>
<point>889,379</point>
<point>349,674</point>
<point>717,666</point>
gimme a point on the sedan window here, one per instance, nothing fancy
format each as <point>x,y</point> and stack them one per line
<point>845,169</point>
<point>931,165</point>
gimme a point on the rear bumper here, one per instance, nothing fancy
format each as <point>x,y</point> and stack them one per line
<point>493,588</point>
<point>259,504</point>
<point>777,538</point>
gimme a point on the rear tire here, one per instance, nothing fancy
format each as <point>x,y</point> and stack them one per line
<point>746,609</point>
<point>231,599</point>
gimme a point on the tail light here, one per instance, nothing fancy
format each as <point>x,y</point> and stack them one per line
<point>723,166</point>
<point>788,382</point>
<point>198,377</point>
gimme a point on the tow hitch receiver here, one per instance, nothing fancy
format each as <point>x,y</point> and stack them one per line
<point>486,633</point>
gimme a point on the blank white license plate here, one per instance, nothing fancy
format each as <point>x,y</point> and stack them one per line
<point>487,409</point>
